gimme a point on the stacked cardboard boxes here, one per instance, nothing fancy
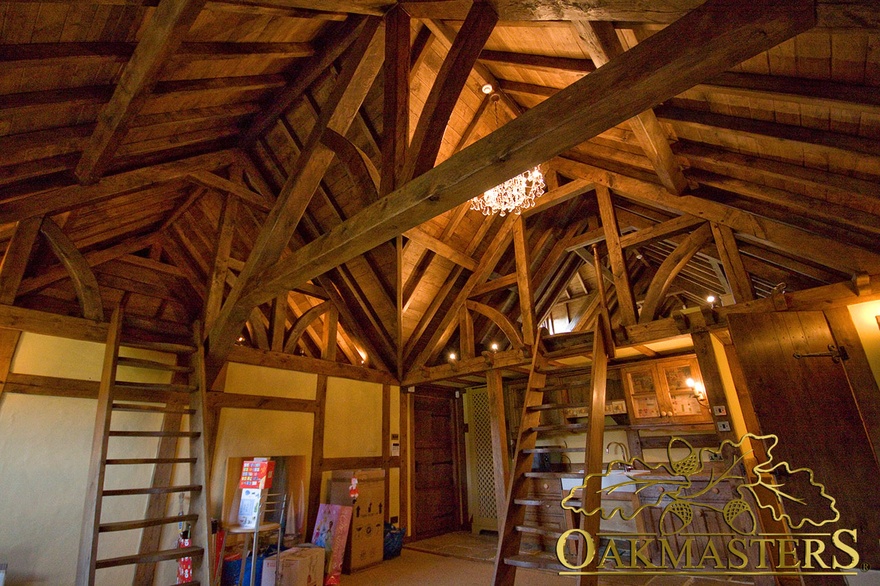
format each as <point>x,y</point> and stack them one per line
<point>367,498</point>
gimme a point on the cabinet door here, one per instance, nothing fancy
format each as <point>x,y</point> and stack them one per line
<point>680,379</point>
<point>642,388</point>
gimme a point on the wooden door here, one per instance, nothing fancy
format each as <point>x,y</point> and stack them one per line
<point>809,405</point>
<point>436,476</point>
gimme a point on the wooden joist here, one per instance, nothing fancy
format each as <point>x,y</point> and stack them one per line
<point>699,46</point>
<point>159,41</point>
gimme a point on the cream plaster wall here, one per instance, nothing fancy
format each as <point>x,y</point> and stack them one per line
<point>45,444</point>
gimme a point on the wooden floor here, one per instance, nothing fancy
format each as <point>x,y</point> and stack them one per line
<point>459,559</point>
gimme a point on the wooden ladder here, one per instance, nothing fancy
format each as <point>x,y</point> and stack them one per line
<point>547,393</point>
<point>184,397</point>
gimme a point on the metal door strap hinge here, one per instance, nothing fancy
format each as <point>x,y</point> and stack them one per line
<point>836,353</point>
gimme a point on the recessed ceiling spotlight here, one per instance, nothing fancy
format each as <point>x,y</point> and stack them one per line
<point>494,346</point>
<point>487,89</point>
<point>710,299</point>
<point>452,356</point>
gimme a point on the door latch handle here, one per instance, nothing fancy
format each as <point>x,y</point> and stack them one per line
<point>837,353</point>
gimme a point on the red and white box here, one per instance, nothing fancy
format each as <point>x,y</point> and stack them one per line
<point>257,473</point>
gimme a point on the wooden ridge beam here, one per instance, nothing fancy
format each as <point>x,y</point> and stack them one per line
<point>702,44</point>
<point>160,39</point>
<point>604,45</point>
<point>858,14</point>
<point>766,232</point>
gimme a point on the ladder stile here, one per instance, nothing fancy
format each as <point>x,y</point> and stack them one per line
<point>173,401</point>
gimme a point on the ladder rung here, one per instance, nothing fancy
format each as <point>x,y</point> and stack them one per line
<point>161,346</point>
<point>157,326</point>
<point>145,558</point>
<point>141,407</point>
<point>189,434</point>
<point>571,427</point>
<point>129,461</point>
<point>141,523</point>
<point>153,490</point>
<point>539,502</point>
<point>558,406</point>
<point>536,561</point>
<point>554,475</point>
<point>151,364</point>
<point>131,386</point>
<point>555,450</point>
<point>541,531</point>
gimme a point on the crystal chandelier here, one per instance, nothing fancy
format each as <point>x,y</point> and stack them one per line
<point>514,195</point>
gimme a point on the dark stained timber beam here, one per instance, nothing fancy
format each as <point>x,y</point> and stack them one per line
<point>84,281</point>
<point>446,90</point>
<point>307,73</point>
<point>701,45</point>
<point>160,40</point>
<point>71,197</point>
<point>352,84</point>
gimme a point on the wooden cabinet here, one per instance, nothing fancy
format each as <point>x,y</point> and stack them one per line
<point>662,392</point>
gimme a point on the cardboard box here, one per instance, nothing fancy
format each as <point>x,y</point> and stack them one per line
<point>299,566</point>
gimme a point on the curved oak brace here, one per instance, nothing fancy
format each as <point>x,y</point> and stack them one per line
<point>304,321</point>
<point>84,281</point>
<point>500,320</point>
<point>359,166</point>
<point>670,269</point>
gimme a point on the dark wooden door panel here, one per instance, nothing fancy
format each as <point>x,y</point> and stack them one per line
<point>435,492</point>
<point>809,405</point>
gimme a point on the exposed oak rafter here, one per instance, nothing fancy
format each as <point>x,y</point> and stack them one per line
<point>160,40</point>
<point>699,46</point>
